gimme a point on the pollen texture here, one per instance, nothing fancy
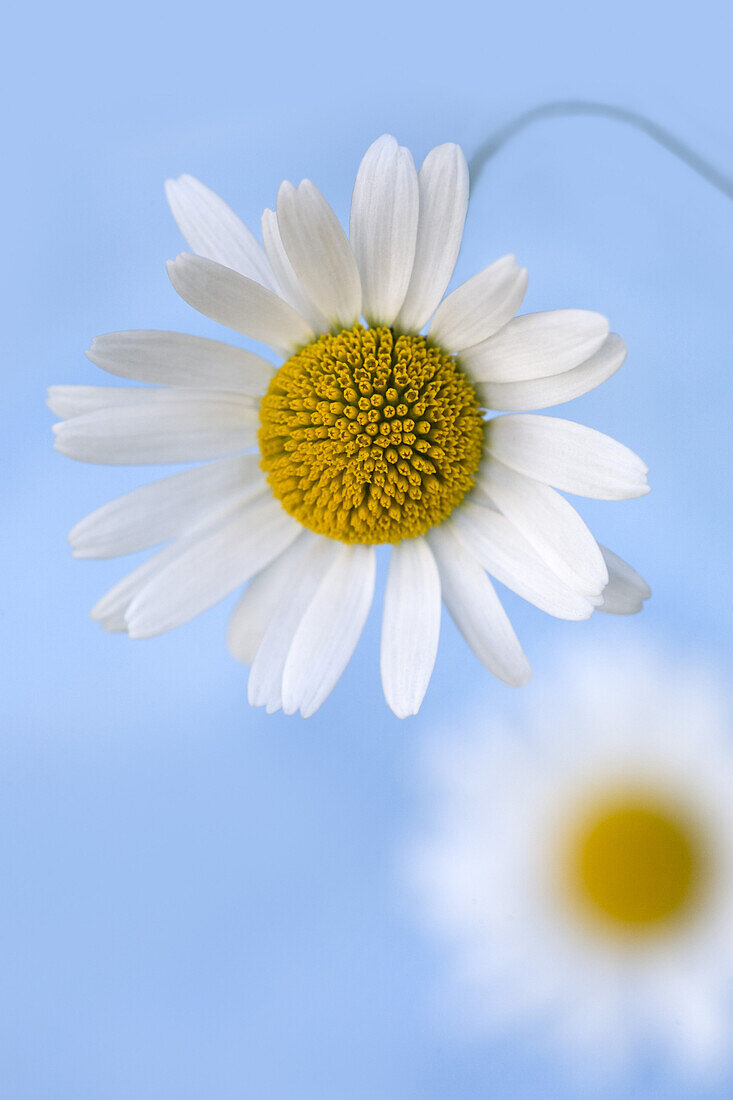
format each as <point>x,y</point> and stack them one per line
<point>367,436</point>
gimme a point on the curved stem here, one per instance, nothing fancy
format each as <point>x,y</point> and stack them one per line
<point>578,107</point>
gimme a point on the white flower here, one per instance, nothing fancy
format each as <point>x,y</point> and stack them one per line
<point>366,436</point>
<point>580,865</point>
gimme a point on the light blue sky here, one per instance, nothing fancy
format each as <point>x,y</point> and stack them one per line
<point>199,901</point>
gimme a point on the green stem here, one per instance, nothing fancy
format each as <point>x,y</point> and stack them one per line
<point>573,108</point>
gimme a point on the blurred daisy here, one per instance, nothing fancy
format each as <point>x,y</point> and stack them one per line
<point>581,867</point>
<point>368,433</point>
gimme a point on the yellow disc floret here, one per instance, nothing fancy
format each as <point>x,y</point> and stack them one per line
<point>367,436</point>
<point>637,862</point>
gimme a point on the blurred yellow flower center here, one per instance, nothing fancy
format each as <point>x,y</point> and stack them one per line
<point>636,862</point>
<point>367,436</point>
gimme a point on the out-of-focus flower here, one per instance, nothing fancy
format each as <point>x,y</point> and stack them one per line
<point>580,864</point>
<point>368,433</point>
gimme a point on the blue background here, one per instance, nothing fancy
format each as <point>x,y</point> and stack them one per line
<point>198,900</point>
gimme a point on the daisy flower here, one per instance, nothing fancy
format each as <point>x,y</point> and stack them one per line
<point>580,865</point>
<point>368,433</point>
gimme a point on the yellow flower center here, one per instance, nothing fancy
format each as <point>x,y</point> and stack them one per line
<point>636,862</point>
<point>367,436</point>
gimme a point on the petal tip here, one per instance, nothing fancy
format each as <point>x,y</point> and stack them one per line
<point>285,189</point>
<point>112,627</point>
<point>522,677</point>
<point>137,633</point>
<point>402,711</point>
<point>175,268</point>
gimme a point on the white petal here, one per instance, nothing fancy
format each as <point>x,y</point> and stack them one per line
<point>110,609</point>
<point>164,509</point>
<point>626,590</point>
<point>329,630</point>
<point>501,550</point>
<point>69,401</point>
<point>476,609</point>
<point>178,428</point>
<point>410,626</point>
<point>319,252</point>
<point>549,524</point>
<point>174,359</point>
<point>264,688</point>
<point>242,304</point>
<point>443,185</point>
<point>542,393</point>
<point>481,306</point>
<point>290,287</point>
<point>383,227</point>
<point>537,345</point>
<point>212,568</point>
<point>214,231</point>
<point>567,455</point>
<point>252,614</point>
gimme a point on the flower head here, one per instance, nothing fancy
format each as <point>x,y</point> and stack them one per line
<point>580,864</point>
<point>371,431</point>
